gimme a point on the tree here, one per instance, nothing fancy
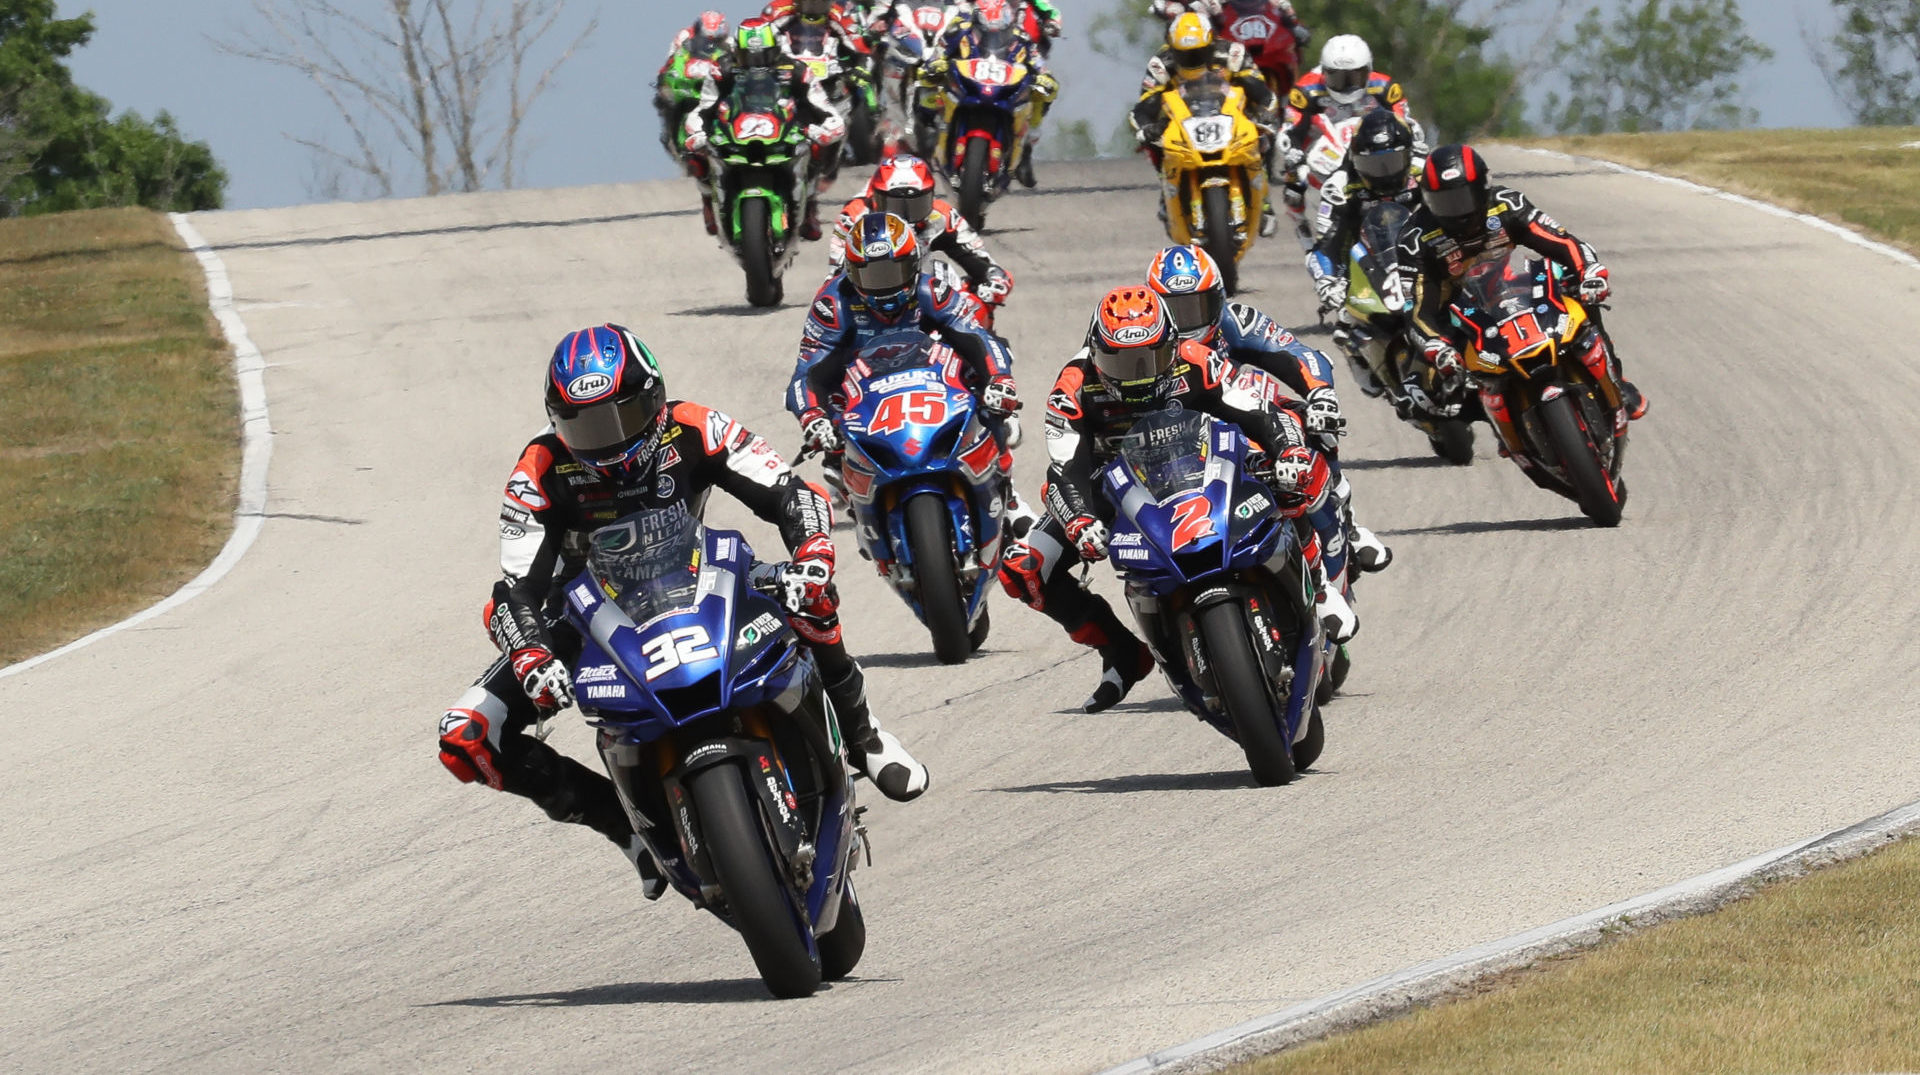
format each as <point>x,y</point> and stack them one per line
<point>445,84</point>
<point>1438,50</point>
<point>1877,71</point>
<point>1658,65</point>
<point>61,147</point>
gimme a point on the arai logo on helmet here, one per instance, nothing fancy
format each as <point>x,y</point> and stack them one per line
<point>879,248</point>
<point>1132,334</point>
<point>1183,282</point>
<point>588,385</point>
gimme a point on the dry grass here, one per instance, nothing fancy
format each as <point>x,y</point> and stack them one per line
<point>1859,176</point>
<point>1821,974</point>
<point>119,423</point>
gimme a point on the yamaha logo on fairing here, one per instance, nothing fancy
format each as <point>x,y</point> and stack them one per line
<point>1132,334</point>
<point>588,385</point>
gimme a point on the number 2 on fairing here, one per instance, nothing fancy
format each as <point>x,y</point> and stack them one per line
<point>686,645</point>
<point>918,408</point>
<point>1192,520</point>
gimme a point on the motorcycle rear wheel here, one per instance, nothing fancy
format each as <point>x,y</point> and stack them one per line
<point>930,539</point>
<point>840,949</point>
<point>757,899</point>
<point>756,254</point>
<point>1220,244</point>
<point>1581,461</point>
<point>973,183</point>
<point>1243,690</point>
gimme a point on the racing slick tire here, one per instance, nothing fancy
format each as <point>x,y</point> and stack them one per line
<point>930,539</point>
<point>1580,461</point>
<point>1243,690</point>
<point>758,902</point>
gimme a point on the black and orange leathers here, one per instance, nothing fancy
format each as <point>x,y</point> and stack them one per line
<point>1085,423</point>
<point>550,506</point>
<point>1432,261</point>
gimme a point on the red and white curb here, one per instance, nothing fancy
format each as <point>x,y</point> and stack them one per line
<point>256,448</point>
<point>1424,983</point>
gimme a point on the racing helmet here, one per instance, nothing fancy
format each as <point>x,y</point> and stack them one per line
<point>756,45</point>
<point>607,400</point>
<point>903,186</point>
<point>1190,39</point>
<point>883,265</point>
<point>1190,286</point>
<point>1133,342</point>
<point>1346,63</point>
<point>1454,190</point>
<point>995,15</point>
<point>814,10</point>
<point>712,28</point>
<point>1382,152</point>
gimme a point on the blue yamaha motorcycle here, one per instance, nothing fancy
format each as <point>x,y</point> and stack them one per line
<point>716,731</point>
<point>1220,587</point>
<point>984,107</point>
<point>922,472</point>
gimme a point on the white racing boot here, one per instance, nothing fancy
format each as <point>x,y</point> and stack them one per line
<point>1021,518</point>
<point>1365,551</point>
<point>876,753</point>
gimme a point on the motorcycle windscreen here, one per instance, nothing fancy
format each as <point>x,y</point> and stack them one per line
<point>898,351</point>
<point>649,561</point>
<point>1498,285</point>
<point>757,90</point>
<point>1167,452</point>
<point>1205,96</point>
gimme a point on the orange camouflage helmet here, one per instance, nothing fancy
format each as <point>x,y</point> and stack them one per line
<point>1134,340</point>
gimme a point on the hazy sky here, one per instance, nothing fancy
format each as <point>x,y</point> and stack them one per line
<point>155,54</point>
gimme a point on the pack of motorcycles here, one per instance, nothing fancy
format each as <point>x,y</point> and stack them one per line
<point>708,707</point>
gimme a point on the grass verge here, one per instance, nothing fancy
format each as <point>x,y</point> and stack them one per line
<point>1858,176</point>
<point>119,423</point>
<point>1819,974</point>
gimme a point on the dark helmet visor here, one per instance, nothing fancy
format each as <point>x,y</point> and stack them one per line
<point>879,277</point>
<point>910,207</point>
<point>1346,79</point>
<point>1195,310</point>
<point>1378,165</point>
<point>600,431</point>
<point>1455,203</point>
<point>1127,365</point>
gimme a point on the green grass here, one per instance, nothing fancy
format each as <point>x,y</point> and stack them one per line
<point>1858,176</point>
<point>119,423</point>
<point>1820,974</point>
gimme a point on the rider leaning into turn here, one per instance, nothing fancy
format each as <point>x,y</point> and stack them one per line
<point>757,54</point>
<point>1135,362</point>
<point>617,444</point>
<point>706,38</point>
<point>1461,218</point>
<point>1381,167</point>
<point>883,289</point>
<point>1024,36</point>
<point>903,186</point>
<point>1191,53</point>
<point>1344,85</point>
<point>1190,284</point>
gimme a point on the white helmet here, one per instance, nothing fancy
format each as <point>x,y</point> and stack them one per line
<point>1346,63</point>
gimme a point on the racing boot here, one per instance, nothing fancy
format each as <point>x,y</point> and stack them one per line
<point>1365,551</point>
<point>1631,398</point>
<point>1024,172</point>
<point>576,795</point>
<point>1336,612</point>
<point>1121,666</point>
<point>1269,222</point>
<point>1021,518</point>
<point>833,473</point>
<point>876,753</point>
<point>810,226</point>
<point>652,884</point>
<point>706,215</point>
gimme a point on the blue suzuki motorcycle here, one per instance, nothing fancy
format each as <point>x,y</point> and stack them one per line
<point>1220,587</point>
<point>716,731</point>
<point>922,472</point>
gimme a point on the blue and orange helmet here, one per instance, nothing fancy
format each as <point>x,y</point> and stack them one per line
<point>1188,281</point>
<point>883,264</point>
<point>607,400</point>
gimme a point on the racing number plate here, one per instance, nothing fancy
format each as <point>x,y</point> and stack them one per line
<point>1210,134</point>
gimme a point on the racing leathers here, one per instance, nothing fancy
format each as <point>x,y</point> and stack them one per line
<point>1149,115</point>
<point>674,96</point>
<point>825,127</point>
<point>1344,202</point>
<point>551,505</point>
<point>1260,18</point>
<point>1086,421</point>
<point>944,231</point>
<point>842,23</point>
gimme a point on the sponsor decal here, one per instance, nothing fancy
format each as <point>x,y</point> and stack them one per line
<point>610,692</point>
<point>453,719</point>
<point>511,514</point>
<point>1252,506</point>
<point>1132,334</point>
<point>707,750</point>
<point>879,248</point>
<point>763,626</point>
<point>1132,554</point>
<point>589,386</point>
<point>725,548</point>
<point>669,458</point>
<point>599,673</point>
<point>582,595</point>
<point>779,801</point>
<point>512,531</point>
<point>1182,283</point>
<point>665,487</point>
<point>1125,541</point>
<point>523,488</point>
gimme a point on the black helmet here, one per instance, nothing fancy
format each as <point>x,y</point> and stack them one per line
<point>1455,189</point>
<point>1382,152</point>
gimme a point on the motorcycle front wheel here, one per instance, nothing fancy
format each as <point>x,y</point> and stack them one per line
<point>1243,690</point>
<point>841,948</point>
<point>1580,461</point>
<point>756,254</point>
<point>973,182</point>
<point>1217,204</point>
<point>757,900</point>
<point>930,539</point>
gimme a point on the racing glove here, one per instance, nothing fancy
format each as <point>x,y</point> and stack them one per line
<point>1089,536</point>
<point>1323,412</point>
<point>995,289</point>
<point>1441,356</point>
<point>696,141</point>
<point>805,578</point>
<point>1301,35</point>
<point>817,431</point>
<point>1000,398</point>
<point>543,677</point>
<point>1332,290</point>
<point>1594,287</point>
<point>821,134</point>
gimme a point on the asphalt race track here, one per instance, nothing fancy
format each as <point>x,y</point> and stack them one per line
<point>229,846</point>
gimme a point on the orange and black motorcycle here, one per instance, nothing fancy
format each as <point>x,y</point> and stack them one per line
<point>1544,369</point>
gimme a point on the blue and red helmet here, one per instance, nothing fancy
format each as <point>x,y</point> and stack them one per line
<point>1189,282</point>
<point>607,400</point>
<point>883,264</point>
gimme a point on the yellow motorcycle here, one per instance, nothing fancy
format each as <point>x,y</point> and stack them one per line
<point>1212,175</point>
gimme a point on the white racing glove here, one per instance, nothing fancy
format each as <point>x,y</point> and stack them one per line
<point>1323,413</point>
<point>1000,397</point>
<point>1089,536</point>
<point>1594,287</point>
<point>817,432</point>
<point>1332,290</point>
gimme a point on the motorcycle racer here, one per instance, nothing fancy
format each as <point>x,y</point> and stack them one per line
<point>1381,167</point>
<point>1225,15</point>
<point>1462,218</point>
<point>615,444</point>
<point>706,39</point>
<point>1030,32</point>
<point>757,53</point>
<point>1193,52</point>
<point>1190,284</point>
<point>839,21</point>
<point>904,186</point>
<point>1344,85</point>
<point>1137,363</point>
